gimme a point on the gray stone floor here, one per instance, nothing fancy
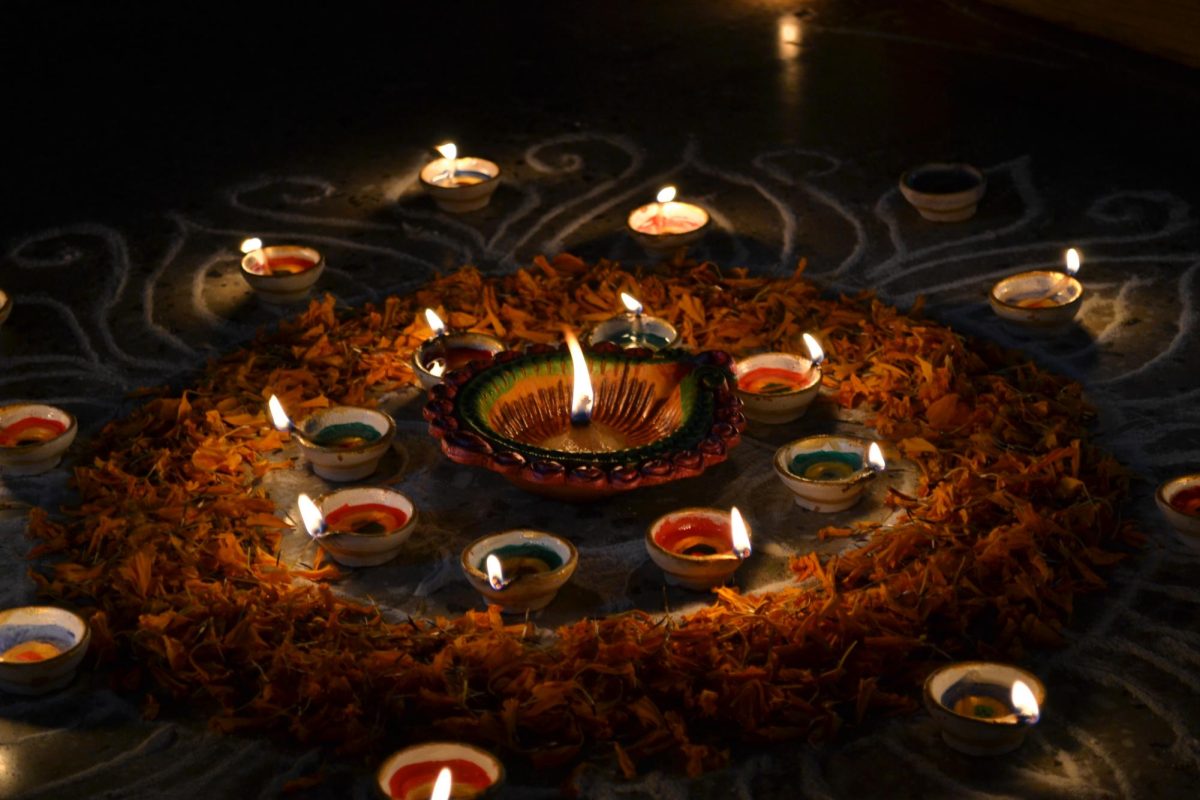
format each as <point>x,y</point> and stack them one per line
<point>148,147</point>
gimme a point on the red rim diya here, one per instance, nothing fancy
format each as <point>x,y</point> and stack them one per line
<point>779,387</point>
<point>280,273</point>
<point>459,185</point>
<point>359,527</point>
<point>667,224</point>
<point>411,773</point>
<point>1179,501</point>
<point>33,437</point>
<point>698,548</point>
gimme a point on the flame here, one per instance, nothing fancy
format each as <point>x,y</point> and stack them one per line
<point>437,368</point>
<point>1073,261</point>
<point>435,322</point>
<point>666,194</point>
<point>815,353</point>
<point>738,535</point>
<point>314,520</point>
<point>442,786</point>
<point>581,383</point>
<point>1024,702</point>
<point>448,151</point>
<point>495,572</point>
<point>875,457</point>
<point>250,245</point>
<point>631,303</point>
<point>278,416</point>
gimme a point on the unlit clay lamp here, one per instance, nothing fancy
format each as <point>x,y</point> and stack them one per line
<point>1179,501</point>
<point>40,648</point>
<point>343,443</point>
<point>33,437</point>
<point>944,192</point>
<point>446,350</point>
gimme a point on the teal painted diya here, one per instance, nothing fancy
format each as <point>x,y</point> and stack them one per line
<point>343,443</point>
<point>519,570</point>
<point>634,329</point>
<point>984,707</point>
<point>828,473</point>
<point>645,419</point>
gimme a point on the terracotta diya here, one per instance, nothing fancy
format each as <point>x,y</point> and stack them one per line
<point>414,773</point>
<point>779,387</point>
<point>984,708</point>
<point>33,437</point>
<point>40,648</point>
<point>1179,501</point>
<point>828,473</point>
<point>343,443</point>
<point>447,350</point>
<point>575,428</point>
<point>6,305</point>
<point>281,273</point>
<point>698,548</point>
<point>459,185</point>
<point>519,570</point>
<point>634,328</point>
<point>359,527</point>
<point>667,224</point>
<point>1040,298</point>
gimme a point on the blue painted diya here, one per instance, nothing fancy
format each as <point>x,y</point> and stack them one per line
<point>656,417</point>
<point>533,566</point>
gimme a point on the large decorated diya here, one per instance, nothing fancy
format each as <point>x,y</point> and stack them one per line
<point>447,351</point>
<point>634,328</point>
<point>33,437</point>
<point>359,527</point>
<point>40,648</point>
<point>667,224</point>
<point>343,443</point>
<point>535,418</point>
<point>1040,298</point>
<point>828,473</point>
<point>281,273</point>
<point>519,570</point>
<point>779,387</point>
<point>984,708</point>
<point>459,185</point>
<point>412,773</point>
<point>1179,501</point>
<point>698,548</point>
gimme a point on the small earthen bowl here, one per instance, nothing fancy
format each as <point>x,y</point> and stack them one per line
<point>778,407</point>
<point>409,774</point>
<point>944,192</point>
<point>6,305</point>
<point>365,549</point>
<point>423,357</point>
<point>461,199</point>
<point>530,592</point>
<point>668,242</point>
<point>1065,295</point>
<point>283,287</point>
<point>343,464</point>
<point>656,333</point>
<point>824,496</point>
<point>1181,521</point>
<point>698,572</point>
<point>974,735</point>
<point>59,629</point>
<point>35,457</point>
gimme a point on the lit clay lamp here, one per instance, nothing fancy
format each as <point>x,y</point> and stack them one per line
<point>280,273</point>
<point>698,548</point>
<point>458,184</point>
<point>519,570</point>
<point>1179,500</point>
<point>828,473</point>
<point>634,329</point>
<point>343,443</point>
<point>1040,298</point>
<point>779,387</point>
<point>667,224</point>
<point>447,351</point>
<point>984,708</point>
<point>33,437</point>
<point>439,771</point>
<point>40,648</point>
<point>359,527</point>
<point>6,305</point>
